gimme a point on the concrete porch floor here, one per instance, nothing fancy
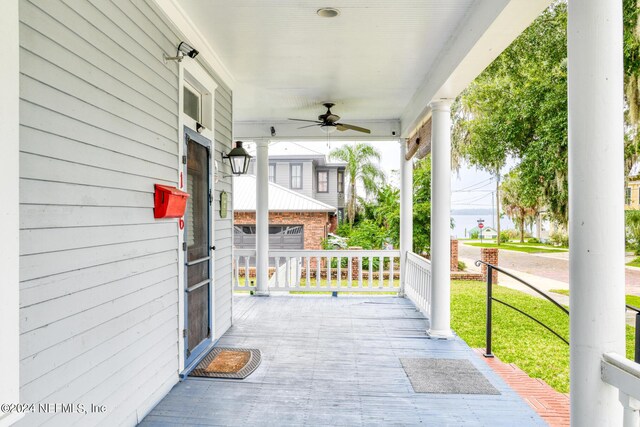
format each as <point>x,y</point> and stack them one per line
<point>335,361</point>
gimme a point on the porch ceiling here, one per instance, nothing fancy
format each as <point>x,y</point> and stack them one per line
<point>378,60</point>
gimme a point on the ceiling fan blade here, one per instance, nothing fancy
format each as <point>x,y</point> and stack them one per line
<point>345,126</point>
<point>309,126</point>
<point>303,120</point>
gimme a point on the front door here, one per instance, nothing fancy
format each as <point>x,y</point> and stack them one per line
<point>197,238</point>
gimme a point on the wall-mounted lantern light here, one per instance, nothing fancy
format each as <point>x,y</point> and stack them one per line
<point>239,159</point>
<point>183,50</point>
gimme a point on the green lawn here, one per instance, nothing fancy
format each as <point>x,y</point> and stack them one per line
<point>630,299</point>
<point>517,339</point>
<point>635,262</point>
<point>344,287</point>
<point>521,247</point>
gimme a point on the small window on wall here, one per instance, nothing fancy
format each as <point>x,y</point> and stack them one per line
<point>296,176</point>
<point>627,196</point>
<point>272,172</point>
<point>192,103</point>
<point>340,181</point>
<point>323,181</point>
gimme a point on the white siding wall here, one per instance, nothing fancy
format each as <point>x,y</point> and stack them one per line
<point>98,299</point>
<point>331,197</point>
<point>283,174</point>
<point>9,277</point>
<point>223,227</point>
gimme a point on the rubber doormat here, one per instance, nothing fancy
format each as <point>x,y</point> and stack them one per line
<point>446,376</point>
<point>232,363</point>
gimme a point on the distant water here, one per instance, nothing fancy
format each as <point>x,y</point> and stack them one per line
<point>467,222</point>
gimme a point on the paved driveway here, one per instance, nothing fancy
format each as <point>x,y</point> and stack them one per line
<point>550,266</point>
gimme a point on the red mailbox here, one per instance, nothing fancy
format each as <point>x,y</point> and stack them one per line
<point>169,202</point>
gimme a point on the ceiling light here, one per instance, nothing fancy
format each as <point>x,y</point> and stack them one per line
<point>328,128</point>
<point>328,12</point>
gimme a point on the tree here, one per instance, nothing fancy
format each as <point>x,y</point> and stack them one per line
<point>360,169</point>
<point>631,16</point>
<point>422,205</point>
<point>518,108</point>
<point>520,201</point>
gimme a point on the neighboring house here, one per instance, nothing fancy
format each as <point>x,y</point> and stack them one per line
<point>487,232</point>
<point>632,193</point>
<point>310,175</point>
<point>296,221</point>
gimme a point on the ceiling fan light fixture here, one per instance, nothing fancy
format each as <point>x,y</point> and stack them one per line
<point>328,12</point>
<point>328,129</point>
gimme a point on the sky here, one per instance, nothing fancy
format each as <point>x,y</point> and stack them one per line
<point>471,188</point>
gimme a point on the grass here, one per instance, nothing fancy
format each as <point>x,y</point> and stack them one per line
<point>521,247</point>
<point>635,262</point>
<point>517,339</point>
<point>629,299</point>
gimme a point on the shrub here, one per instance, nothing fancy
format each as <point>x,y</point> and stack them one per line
<point>533,240</point>
<point>559,239</point>
<point>632,235</point>
<point>505,236</point>
<point>475,234</point>
<point>461,266</point>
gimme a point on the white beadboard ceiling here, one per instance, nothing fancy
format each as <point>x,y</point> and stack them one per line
<point>371,60</point>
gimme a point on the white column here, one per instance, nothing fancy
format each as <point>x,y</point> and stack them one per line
<point>262,218</point>
<point>440,220</point>
<point>406,210</point>
<point>9,125</point>
<point>596,206</point>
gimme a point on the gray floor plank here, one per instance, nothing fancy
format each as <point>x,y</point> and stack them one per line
<point>335,361</point>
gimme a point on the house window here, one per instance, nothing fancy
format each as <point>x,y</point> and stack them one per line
<point>627,196</point>
<point>192,103</point>
<point>296,176</point>
<point>323,181</point>
<point>340,181</point>
<point>272,172</point>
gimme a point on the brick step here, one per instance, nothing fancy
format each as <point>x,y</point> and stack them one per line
<point>551,405</point>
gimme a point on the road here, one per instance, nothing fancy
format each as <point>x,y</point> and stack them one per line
<point>551,266</point>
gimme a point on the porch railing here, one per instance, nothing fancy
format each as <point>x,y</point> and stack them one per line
<point>417,283</point>
<point>321,270</point>
<point>624,375</point>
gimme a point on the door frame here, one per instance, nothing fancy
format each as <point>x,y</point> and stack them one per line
<point>191,72</point>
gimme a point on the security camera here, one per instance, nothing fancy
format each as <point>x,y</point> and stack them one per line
<point>183,50</point>
<point>187,50</point>
<point>273,131</point>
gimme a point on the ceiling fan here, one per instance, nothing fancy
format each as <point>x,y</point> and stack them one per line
<point>329,122</point>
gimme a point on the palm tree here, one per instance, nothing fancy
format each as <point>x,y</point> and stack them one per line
<point>520,202</point>
<point>360,169</point>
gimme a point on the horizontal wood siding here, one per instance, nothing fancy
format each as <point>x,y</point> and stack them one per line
<point>223,226</point>
<point>330,198</point>
<point>99,276</point>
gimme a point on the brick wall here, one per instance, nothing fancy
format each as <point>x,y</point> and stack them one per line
<point>489,255</point>
<point>315,224</point>
<point>454,255</point>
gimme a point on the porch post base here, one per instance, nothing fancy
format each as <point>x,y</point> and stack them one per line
<point>260,293</point>
<point>435,334</point>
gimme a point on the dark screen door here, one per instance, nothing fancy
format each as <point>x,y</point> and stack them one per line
<point>198,246</point>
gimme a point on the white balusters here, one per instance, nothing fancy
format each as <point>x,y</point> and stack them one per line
<point>418,282</point>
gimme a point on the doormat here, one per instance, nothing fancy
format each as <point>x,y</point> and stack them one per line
<point>446,376</point>
<point>232,363</point>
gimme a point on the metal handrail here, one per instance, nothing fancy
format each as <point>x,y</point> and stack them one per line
<point>494,267</point>
<point>490,299</point>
